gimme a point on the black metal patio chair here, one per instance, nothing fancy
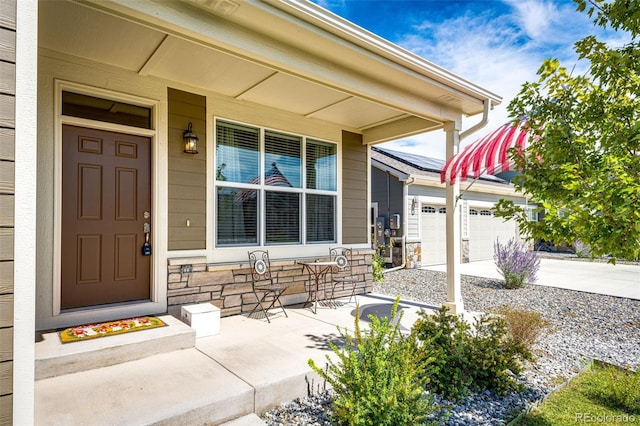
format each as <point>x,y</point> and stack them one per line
<point>265,286</point>
<point>342,274</point>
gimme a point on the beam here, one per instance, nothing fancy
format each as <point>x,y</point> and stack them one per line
<point>403,127</point>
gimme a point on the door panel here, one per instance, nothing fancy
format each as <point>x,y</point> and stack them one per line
<point>106,188</point>
<point>484,229</point>
<point>434,236</point>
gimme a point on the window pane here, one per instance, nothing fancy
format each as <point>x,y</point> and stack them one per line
<point>237,153</point>
<point>237,218</point>
<point>282,219</point>
<point>321,218</point>
<point>282,157</point>
<point>84,106</point>
<point>321,165</point>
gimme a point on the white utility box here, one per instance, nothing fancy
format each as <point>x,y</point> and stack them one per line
<point>204,318</point>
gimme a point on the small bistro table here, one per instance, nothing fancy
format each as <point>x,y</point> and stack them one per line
<point>317,269</point>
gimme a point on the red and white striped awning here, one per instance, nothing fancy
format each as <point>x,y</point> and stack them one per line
<point>489,154</point>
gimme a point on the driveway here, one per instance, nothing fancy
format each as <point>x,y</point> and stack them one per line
<point>593,277</point>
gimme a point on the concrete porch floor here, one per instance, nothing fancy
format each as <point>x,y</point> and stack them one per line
<point>250,367</point>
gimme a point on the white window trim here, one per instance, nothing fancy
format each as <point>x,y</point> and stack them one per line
<point>226,254</point>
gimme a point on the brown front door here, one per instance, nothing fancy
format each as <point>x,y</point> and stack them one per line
<point>106,201</point>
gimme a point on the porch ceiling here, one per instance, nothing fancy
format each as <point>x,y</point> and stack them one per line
<point>203,54</point>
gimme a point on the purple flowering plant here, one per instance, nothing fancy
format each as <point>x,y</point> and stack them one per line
<point>516,263</point>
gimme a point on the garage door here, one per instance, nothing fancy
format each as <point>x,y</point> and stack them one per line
<point>433,232</point>
<point>484,229</point>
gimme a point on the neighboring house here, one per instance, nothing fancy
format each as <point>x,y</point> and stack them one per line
<point>408,185</point>
<point>285,99</point>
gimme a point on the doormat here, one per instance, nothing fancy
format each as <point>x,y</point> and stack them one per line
<point>109,328</point>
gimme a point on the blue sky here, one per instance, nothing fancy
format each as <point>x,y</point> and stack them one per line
<point>498,44</point>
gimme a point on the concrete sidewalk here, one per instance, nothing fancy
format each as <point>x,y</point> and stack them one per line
<point>592,277</point>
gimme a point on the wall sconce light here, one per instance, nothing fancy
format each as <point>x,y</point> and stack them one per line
<point>414,206</point>
<point>190,141</point>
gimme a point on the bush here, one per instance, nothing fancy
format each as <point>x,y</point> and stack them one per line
<point>581,249</point>
<point>516,263</point>
<point>377,376</point>
<point>524,327</point>
<point>477,357</point>
<point>377,267</point>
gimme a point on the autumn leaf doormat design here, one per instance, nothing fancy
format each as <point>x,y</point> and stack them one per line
<point>109,328</point>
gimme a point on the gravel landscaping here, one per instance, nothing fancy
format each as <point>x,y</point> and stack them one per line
<point>585,326</point>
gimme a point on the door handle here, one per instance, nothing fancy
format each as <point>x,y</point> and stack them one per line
<point>146,246</point>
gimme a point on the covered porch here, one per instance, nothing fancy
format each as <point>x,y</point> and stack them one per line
<point>290,76</point>
<point>249,368</point>
<point>264,85</point>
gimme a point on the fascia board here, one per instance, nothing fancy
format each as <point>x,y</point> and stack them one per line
<point>385,168</point>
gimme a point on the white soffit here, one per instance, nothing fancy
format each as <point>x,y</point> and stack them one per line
<point>87,33</point>
<point>380,99</point>
<point>200,66</point>
<point>295,94</point>
<point>359,112</point>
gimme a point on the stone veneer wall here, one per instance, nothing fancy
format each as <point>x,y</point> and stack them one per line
<point>414,256</point>
<point>228,286</point>
<point>464,251</point>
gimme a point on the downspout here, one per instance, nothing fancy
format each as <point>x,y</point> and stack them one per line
<point>405,227</point>
<point>481,124</point>
<point>395,268</point>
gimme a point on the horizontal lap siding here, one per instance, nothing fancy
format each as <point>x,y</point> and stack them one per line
<point>7,192</point>
<point>355,209</point>
<point>187,173</point>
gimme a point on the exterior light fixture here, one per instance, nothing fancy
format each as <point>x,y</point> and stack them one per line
<point>414,206</point>
<point>190,141</point>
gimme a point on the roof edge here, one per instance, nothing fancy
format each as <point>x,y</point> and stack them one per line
<point>343,28</point>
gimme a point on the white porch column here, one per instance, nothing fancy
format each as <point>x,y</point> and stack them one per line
<point>24,266</point>
<point>454,289</point>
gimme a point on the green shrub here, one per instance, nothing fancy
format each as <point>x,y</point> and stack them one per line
<point>524,327</point>
<point>377,266</point>
<point>377,376</point>
<point>477,357</point>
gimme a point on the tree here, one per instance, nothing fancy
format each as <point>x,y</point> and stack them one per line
<point>583,167</point>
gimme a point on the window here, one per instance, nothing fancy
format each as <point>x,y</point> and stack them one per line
<point>473,212</point>
<point>273,188</point>
<point>442,210</point>
<point>485,213</point>
<point>428,209</point>
<point>85,106</point>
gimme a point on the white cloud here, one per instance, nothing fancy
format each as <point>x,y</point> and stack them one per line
<point>537,19</point>
<point>498,52</point>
